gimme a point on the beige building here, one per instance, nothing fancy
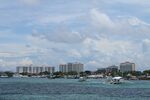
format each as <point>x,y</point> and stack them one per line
<point>127,67</point>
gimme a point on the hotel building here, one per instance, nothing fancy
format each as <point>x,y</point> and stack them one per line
<point>127,67</point>
<point>77,67</point>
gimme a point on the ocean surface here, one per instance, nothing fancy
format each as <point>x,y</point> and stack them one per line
<point>71,89</point>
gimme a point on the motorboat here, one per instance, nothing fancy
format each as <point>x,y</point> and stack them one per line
<point>82,79</point>
<point>116,80</point>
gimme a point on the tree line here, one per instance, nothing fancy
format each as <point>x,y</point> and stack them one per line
<point>85,73</point>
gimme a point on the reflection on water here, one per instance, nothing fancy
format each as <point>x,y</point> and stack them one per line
<point>71,89</point>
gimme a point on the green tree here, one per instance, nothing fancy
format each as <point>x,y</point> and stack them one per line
<point>24,73</point>
<point>83,74</point>
<point>46,73</point>
<point>136,73</point>
<point>119,74</point>
<point>88,72</point>
<point>146,72</point>
<point>58,74</point>
<point>9,74</point>
<point>72,73</point>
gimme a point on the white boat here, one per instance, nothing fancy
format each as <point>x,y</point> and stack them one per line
<point>82,79</point>
<point>116,80</point>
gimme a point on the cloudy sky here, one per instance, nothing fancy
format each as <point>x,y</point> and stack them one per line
<point>97,33</point>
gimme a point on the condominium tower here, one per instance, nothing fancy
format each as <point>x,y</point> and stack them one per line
<point>34,69</point>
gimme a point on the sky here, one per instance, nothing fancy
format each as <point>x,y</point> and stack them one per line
<point>97,33</point>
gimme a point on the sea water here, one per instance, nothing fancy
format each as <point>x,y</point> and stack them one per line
<point>71,89</point>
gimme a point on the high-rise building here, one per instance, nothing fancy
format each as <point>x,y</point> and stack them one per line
<point>112,69</point>
<point>34,69</point>
<point>63,67</point>
<point>77,67</point>
<point>127,67</point>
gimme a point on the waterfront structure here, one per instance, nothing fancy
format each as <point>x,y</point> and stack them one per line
<point>127,67</point>
<point>76,67</point>
<point>34,69</point>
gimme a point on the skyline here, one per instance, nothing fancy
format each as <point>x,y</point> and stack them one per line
<point>97,33</point>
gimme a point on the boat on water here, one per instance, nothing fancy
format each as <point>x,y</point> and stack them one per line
<point>82,79</point>
<point>116,80</point>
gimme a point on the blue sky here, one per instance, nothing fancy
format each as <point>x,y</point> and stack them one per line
<point>97,33</point>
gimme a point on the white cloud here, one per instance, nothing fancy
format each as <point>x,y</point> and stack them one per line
<point>101,19</point>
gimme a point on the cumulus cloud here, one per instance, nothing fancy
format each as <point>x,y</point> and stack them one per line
<point>129,25</point>
<point>101,19</point>
<point>99,24</point>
